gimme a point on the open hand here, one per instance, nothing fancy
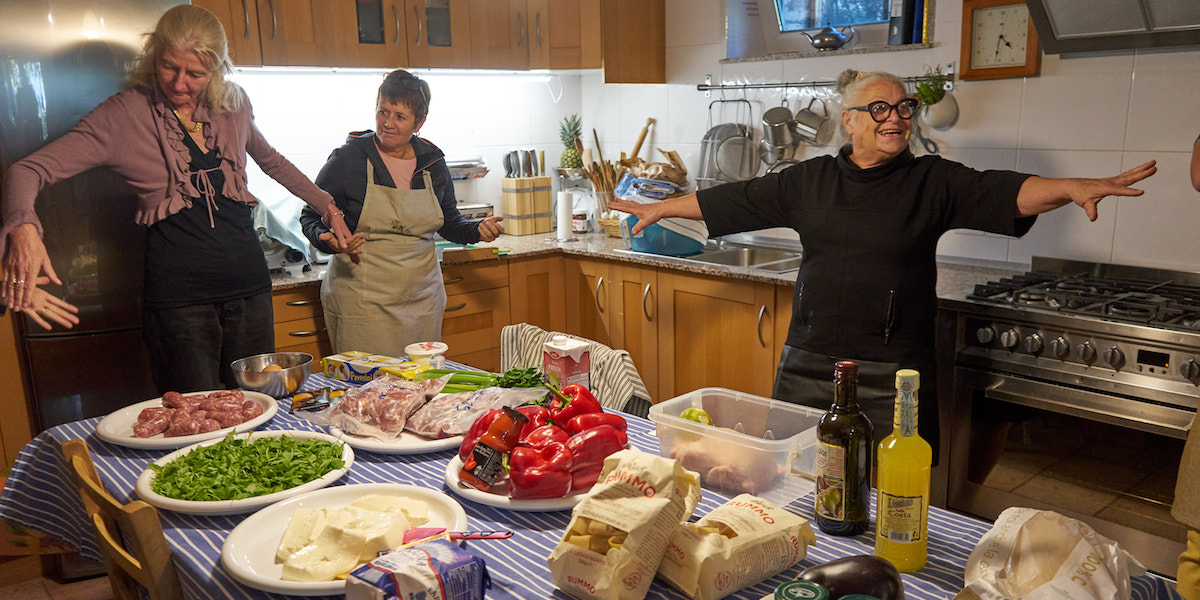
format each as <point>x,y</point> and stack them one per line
<point>24,263</point>
<point>644,212</point>
<point>43,306</point>
<point>1093,191</point>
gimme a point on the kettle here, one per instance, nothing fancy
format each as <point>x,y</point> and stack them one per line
<point>830,38</point>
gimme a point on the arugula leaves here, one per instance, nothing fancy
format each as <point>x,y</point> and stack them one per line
<point>237,468</point>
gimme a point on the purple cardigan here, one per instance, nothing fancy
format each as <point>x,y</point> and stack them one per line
<point>136,135</point>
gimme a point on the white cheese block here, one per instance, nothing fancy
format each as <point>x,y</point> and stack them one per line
<point>416,511</point>
<point>302,529</point>
<point>334,552</point>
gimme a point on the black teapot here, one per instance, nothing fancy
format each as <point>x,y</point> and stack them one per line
<point>830,38</point>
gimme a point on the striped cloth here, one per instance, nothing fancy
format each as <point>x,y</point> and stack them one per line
<point>614,377</point>
<point>40,496</point>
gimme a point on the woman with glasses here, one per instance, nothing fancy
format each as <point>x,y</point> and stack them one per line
<point>869,219</point>
<point>394,188</point>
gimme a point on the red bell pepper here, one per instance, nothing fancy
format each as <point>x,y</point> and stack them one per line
<point>545,434</point>
<point>587,421</point>
<point>478,428</point>
<point>571,401</point>
<point>538,415</point>
<point>590,448</point>
<point>585,478</point>
<point>540,472</point>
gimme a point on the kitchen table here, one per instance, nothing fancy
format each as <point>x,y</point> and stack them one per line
<point>39,495</point>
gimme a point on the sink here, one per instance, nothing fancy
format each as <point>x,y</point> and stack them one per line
<point>781,266</point>
<point>746,257</point>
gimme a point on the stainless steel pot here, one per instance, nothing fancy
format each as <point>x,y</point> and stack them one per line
<point>771,153</point>
<point>777,126</point>
<point>812,127</point>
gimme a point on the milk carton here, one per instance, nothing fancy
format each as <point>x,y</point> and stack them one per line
<point>569,360</point>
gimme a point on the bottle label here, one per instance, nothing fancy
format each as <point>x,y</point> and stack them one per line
<point>831,481</point>
<point>899,518</point>
<point>489,463</point>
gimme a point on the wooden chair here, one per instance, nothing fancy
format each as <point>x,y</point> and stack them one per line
<point>130,535</point>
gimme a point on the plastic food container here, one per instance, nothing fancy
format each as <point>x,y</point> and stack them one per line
<point>657,239</point>
<point>755,445</point>
<point>427,353</point>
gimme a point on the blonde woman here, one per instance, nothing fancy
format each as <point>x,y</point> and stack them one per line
<point>180,137</point>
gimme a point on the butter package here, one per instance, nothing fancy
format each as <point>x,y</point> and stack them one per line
<point>434,569</point>
<point>357,367</point>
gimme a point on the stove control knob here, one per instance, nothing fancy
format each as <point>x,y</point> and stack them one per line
<point>1060,348</point>
<point>1115,358</point>
<point>1087,352</point>
<point>985,335</point>
<point>1033,343</point>
<point>1009,339</point>
<point>1190,370</point>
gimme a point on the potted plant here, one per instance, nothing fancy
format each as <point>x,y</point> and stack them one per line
<point>939,109</point>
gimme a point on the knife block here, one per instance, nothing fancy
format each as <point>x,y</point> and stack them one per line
<point>527,205</point>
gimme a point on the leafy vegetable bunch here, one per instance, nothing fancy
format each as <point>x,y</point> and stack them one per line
<point>469,381</point>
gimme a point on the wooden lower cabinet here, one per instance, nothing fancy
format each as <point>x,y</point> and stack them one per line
<point>537,294</point>
<point>16,428</point>
<point>634,320</point>
<point>715,332</point>
<point>300,322</point>
<point>477,308</point>
<point>588,298</point>
<point>783,319</point>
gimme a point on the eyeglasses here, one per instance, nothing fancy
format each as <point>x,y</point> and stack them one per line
<point>411,82</point>
<point>880,110</point>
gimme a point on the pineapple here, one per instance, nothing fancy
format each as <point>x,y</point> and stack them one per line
<point>569,133</point>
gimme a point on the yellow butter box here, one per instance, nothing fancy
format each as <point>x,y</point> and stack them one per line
<point>357,367</point>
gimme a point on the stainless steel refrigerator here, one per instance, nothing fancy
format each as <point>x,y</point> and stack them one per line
<point>58,60</point>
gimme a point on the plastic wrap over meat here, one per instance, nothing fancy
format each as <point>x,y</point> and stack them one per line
<point>380,408</point>
<point>452,414</point>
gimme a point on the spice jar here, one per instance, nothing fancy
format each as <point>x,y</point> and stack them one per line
<point>485,465</point>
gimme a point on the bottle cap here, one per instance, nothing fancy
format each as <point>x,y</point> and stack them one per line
<point>800,589</point>
<point>908,380</point>
<point>845,369</point>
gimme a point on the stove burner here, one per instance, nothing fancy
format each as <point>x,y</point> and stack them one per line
<point>1076,285</point>
<point>1130,311</point>
<point>1031,296</point>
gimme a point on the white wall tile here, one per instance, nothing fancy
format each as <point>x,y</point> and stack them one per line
<point>1160,227</point>
<point>695,22</point>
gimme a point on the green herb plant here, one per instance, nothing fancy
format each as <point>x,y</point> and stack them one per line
<point>931,87</point>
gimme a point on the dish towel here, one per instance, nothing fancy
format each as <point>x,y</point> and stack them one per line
<point>614,378</point>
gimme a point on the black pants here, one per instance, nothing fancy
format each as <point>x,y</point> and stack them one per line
<point>807,378</point>
<point>191,347</point>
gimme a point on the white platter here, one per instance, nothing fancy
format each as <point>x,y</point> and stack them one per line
<point>407,443</point>
<point>117,427</point>
<point>249,551</point>
<point>502,500</point>
<point>245,505</point>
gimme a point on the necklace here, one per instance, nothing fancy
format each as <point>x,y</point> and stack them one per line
<point>194,128</point>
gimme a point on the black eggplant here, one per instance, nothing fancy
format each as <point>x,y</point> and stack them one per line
<point>865,574</point>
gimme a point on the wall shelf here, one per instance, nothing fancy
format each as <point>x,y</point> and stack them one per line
<point>820,53</point>
<point>708,86</point>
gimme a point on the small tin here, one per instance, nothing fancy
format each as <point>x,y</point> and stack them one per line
<point>800,589</point>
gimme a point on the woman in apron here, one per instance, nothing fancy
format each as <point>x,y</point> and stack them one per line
<point>393,188</point>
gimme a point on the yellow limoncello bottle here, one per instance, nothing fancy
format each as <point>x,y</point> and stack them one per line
<point>902,503</point>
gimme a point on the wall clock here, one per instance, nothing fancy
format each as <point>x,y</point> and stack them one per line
<point>998,40</point>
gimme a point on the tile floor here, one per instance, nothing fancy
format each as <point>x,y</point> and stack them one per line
<point>21,579</point>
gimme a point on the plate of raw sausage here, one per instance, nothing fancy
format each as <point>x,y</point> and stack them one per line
<point>238,411</point>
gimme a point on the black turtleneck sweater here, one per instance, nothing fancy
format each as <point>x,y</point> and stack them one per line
<point>866,288</point>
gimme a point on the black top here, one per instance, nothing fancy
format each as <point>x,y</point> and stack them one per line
<point>867,282</point>
<point>190,260</point>
<point>344,176</point>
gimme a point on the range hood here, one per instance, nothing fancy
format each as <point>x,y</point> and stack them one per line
<point>1066,26</point>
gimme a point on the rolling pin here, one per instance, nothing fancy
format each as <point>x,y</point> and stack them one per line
<point>641,138</point>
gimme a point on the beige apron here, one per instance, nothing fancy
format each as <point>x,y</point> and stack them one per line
<point>395,296</point>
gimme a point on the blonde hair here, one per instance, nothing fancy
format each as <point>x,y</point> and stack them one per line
<point>188,28</point>
<point>850,85</point>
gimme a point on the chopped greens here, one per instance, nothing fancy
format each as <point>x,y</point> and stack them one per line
<point>518,377</point>
<point>237,468</point>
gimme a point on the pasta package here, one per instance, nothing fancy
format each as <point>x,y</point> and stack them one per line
<point>618,533</point>
<point>738,544</point>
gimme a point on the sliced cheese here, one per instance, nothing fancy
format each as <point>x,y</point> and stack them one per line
<point>416,511</point>
<point>334,552</point>
<point>302,529</point>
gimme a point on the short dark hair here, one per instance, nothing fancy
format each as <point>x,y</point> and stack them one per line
<point>402,87</point>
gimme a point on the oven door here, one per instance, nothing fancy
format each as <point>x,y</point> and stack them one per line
<point>1106,460</point>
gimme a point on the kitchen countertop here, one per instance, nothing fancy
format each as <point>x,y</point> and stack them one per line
<point>956,277</point>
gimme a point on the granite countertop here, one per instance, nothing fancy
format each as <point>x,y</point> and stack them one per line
<point>956,277</point>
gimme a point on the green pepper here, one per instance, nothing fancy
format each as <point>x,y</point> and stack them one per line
<point>698,415</point>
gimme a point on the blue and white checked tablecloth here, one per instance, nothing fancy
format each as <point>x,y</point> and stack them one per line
<point>39,495</point>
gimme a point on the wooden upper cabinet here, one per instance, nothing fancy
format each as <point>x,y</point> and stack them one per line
<point>445,32</point>
<point>382,33</point>
<point>240,20</point>
<point>499,34</point>
<point>289,34</point>
<point>560,30</point>
<point>634,39</point>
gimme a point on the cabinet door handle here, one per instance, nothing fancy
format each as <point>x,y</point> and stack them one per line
<point>538,22</point>
<point>455,307</point>
<point>452,281</point>
<point>762,312</point>
<point>312,333</point>
<point>246,18</point>
<point>417,16</point>
<point>521,23</point>
<point>396,16</point>
<point>274,21</point>
<point>300,302</point>
<point>645,294</point>
<point>599,284</point>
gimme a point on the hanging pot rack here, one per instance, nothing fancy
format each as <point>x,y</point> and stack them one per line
<point>708,86</point>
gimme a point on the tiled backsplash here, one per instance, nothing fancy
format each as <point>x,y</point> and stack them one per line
<point>1089,115</point>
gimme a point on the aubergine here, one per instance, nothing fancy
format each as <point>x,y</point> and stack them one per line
<point>864,574</point>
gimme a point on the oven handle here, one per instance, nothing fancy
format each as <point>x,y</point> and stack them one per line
<point>1114,410</point>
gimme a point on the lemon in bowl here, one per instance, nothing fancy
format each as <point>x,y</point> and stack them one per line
<point>278,374</point>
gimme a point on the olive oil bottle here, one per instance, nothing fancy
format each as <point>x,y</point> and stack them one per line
<point>902,506</point>
<point>843,464</point>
